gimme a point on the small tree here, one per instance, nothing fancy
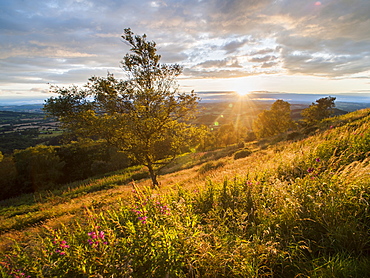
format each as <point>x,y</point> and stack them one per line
<point>274,121</point>
<point>144,115</point>
<point>323,108</point>
<point>226,135</point>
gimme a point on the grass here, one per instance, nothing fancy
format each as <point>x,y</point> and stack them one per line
<point>293,209</point>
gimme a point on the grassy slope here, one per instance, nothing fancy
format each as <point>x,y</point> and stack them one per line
<point>294,208</point>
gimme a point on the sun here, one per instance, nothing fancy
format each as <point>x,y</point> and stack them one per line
<point>242,93</point>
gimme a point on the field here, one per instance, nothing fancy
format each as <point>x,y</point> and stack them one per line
<point>19,130</point>
<point>289,209</point>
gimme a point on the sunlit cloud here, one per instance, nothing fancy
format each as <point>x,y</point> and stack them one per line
<point>65,42</point>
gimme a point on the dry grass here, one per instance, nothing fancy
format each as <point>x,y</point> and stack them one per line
<point>293,208</point>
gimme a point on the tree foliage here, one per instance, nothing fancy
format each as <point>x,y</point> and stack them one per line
<point>46,167</point>
<point>323,108</point>
<point>226,135</point>
<point>38,168</point>
<point>274,121</point>
<point>8,180</point>
<point>86,158</point>
<point>144,115</point>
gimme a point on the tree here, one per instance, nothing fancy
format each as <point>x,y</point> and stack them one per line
<point>85,158</point>
<point>323,108</point>
<point>226,135</point>
<point>8,181</point>
<point>38,168</point>
<point>274,121</point>
<point>144,115</point>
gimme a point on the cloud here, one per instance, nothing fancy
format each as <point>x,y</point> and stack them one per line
<point>45,41</point>
<point>263,51</point>
<point>262,59</point>
<point>266,65</point>
<point>235,45</point>
<point>215,73</point>
<point>226,63</point>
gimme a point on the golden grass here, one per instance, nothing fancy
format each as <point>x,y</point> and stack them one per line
<point>290,158</point>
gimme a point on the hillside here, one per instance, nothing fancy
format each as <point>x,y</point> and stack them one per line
<point>289,209</point>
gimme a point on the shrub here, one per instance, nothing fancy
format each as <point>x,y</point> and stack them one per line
<point>39,168</point>
<point>294,135</point>
<point>242,153</point>
<point>210,166</point>
<point>241,145</point>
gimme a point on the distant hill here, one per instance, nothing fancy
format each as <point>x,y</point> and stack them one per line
<point>31,108</point>
<point>351,106</point>
<point>342,105</point>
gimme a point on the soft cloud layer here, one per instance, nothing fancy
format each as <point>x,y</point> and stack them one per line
<point>67,41</point>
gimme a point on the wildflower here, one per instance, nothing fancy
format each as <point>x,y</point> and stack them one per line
<point>19,274</point>
<point>317,159</point>
<point>64,244</point>
<point>92,235</point>
<point>60,252</point>
<point>143,219</point>
<point>93,243</point>
<point>94,238</point>
<point>61,246</point>
<point>136,211</point>
<point>310,170</point>
<point>248,183</point>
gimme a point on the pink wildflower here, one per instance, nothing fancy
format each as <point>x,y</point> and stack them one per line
<point>101,234</point>
<point>143,219</point>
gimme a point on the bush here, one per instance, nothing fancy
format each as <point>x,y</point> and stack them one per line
<point>85,159</point>
<point>38,168</point>
<point>294,135</point>
<point>241,145</point>
<point>242,153</point>
<point>8,180</point>
<point>210,166</point>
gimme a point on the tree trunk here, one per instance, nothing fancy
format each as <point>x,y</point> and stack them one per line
<point>153,175</point>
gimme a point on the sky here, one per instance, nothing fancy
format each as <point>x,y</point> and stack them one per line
<point>269,46</point>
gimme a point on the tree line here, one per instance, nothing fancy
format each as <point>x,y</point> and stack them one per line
<point>46,167</point>
<point>278,119</point>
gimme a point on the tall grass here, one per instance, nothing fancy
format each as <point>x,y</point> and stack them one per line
<point>296,209</point>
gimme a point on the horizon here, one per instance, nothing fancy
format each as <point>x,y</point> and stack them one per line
<point>290,46</point>
<point>232,96</point>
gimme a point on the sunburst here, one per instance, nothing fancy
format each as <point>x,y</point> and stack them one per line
<point>242,92</point>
